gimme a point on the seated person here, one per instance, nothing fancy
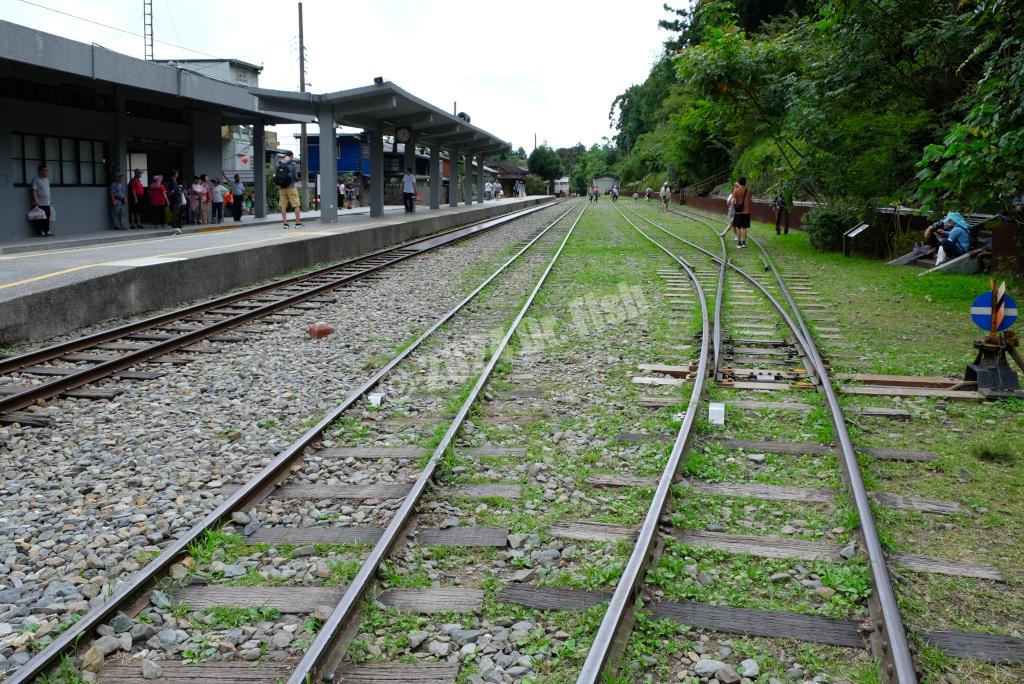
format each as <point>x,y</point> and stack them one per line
<point>951,234</point>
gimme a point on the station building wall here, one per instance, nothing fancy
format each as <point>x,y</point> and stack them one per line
<point>193,146</point>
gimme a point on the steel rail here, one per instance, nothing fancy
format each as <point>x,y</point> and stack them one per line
<point>643,550</point>
<point>99,371</point>
<point>900,661</point>
<point>322,651</point>
<point>12,363</point>
<point>245,495</point>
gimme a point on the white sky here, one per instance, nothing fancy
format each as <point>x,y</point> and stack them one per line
<point>531,66</point>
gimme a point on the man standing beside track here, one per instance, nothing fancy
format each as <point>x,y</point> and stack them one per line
<point>287,193</point>
<point>744,203</point>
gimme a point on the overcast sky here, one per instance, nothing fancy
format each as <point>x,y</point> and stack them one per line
<point>548,67</point>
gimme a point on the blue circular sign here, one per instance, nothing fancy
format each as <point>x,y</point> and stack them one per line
<point>981,312</point>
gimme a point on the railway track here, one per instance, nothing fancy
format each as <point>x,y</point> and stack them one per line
<point>889,637</point>
<point>884,633</point>
<point>121,352</point>
<point>446,357</point>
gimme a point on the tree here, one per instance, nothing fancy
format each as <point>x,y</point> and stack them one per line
<point>980,161</point>
<point>545,163</point>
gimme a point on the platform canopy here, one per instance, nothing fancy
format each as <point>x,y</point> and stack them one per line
<point>385,108</point>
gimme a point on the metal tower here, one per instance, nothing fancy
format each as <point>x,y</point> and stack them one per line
<point>147,27</point>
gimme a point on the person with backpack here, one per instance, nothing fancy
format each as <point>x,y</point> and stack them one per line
<point>285,174</point>
<point>782,204</point>
<point>744,204</point>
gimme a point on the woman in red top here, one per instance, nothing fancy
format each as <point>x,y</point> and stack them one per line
<point>158,200</point>
<point>136,198</point>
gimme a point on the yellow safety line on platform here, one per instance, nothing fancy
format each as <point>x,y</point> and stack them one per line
<point>44,276</point>
<point>54,274</point>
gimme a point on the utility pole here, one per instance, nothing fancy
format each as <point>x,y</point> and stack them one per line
<point>303,141</point>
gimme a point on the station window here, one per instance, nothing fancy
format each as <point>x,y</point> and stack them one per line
<point>71,161</point>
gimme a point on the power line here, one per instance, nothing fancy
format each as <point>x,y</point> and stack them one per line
<point>116,28</point>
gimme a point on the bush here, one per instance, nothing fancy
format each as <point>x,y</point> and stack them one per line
<point>825,226</point>
<point>535,185</point>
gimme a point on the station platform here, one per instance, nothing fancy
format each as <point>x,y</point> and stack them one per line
<point>52,286</point>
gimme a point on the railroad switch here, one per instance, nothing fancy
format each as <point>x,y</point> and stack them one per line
<point>991,369</point>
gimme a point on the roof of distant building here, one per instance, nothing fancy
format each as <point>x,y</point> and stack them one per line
<point>233,62</point>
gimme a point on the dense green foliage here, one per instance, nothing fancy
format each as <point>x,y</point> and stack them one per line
<point>825,226</point>
<point>855,102</point>
<point>545,163</point>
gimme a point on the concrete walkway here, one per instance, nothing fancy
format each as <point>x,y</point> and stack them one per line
<point>45,292</point>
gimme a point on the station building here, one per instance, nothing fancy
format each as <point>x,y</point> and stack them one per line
<point>86,112</point>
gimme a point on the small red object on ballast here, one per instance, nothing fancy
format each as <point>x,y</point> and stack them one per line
<point>319,330</point>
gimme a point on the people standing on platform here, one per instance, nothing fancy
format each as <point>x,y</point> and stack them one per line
<point>136,199</point>
<point>217,193</point>
<point>237,198</point>
<point>409,191</point>
<point>157,201</point>
<point>176,200</point>
<point>744,203</point>
<point>285,175</point>
<point>41,200</point>
<point>118,203</point>
<point>204,200</point>
<point>341,194</point>
<point>195,200</point>
<point>488,191</point>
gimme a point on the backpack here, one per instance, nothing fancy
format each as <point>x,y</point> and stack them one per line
<point>283,175</point>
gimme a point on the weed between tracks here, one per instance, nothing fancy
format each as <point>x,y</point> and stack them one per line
<point>894,322</point>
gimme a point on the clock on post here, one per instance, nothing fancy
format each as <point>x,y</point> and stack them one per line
<point>403,135</point>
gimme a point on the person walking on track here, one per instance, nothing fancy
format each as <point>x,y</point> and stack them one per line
<point>287,194</point>
<point>744,203</point>
<point>666,195</point>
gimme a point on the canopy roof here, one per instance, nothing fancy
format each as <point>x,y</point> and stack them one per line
<point>385,107</point>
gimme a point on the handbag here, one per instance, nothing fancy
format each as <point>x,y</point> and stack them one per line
<point>36,214</point>
<point>168,215</point>
<point>53,214</point>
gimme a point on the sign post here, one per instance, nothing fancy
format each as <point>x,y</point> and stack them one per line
<point>994,312</point>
